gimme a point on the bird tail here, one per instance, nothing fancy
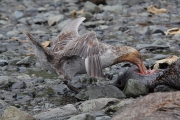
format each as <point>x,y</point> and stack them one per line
<point>44,55</point>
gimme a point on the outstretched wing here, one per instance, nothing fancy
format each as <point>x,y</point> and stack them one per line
<point>69,33</point>
<point>87,47</point>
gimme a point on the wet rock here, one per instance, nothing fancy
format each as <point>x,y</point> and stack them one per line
<point>103,27</point>
<point>87,15</point>
<point>12,33</point>
<point>62,24</point>
<point>12,113</point>
<point>39,19</point>
<point>32,94</point>
<point>40,80</point>
<point>3,48</point>
<point>108,91</point>
<point>107,16</point>
<point>55,19</point>
<point>151,47</point>
<point>1,37</point>
<point>23,77</point>
<point>18,14</point>
<point>5,81</point>
<point>95,104</point>
<point>118,9</point>
<point>3,22</point>
<point>60,113</point>
<point>21,69</point>
<point>19,85</point>
<point>154,106</point>
<point>91,7</point>
<point>25,61</point>
<point>22,20</point>
<point>60,89</point>
<point>3,106</point>
<point>134,88</point>
<point>3,62</point>
<point>83,116</point>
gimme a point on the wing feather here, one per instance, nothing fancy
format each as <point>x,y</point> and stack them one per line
<point>87,47</point>
<point>69,33</point>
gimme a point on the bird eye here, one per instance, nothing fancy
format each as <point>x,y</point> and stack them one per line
<point>139,57</point>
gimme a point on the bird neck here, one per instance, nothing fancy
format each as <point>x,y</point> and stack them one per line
<point>113,55</point>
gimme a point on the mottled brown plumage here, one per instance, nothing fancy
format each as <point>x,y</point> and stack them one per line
<point>75,54</point>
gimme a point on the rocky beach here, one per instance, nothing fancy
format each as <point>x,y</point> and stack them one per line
<point>29,92</point>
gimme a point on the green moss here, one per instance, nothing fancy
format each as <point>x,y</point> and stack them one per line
<point>49,91</point>
<point>43,74</point>
<point>63,100</point>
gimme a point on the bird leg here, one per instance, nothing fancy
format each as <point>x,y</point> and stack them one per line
<point>72,88</point>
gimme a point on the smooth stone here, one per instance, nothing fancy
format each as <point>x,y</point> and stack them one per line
<point>4,81</point>
<point>1,37</point>
<point>87,15</point>
<point>55,19</point>
<point>41,19</point>
<point>134,88</point>
<point>18,14</point>
<point>108,91</point>
<point>3,48</point>
<point>117,9</point>
<point>4,68</point>
<point>160,56</point>
<point>58,112</point>
<point>40,80</point>
<point>107,16</point>
<point>19,85</point>
<point>22,20</point>
<point>95,104</point>
<point>3,62</point>
<point>91,7</point>
<point>21,69</point>
<point>155,106</point>
<point>62,24</point>
<point>60,89</point>
<point>25,61</point>
<point>103,27</point>
<point>3,22</point>
<point>148,46</point>
<point>23,77</point>
<point>13,113</point>
<point>12,33</point>
<point>83,116</point>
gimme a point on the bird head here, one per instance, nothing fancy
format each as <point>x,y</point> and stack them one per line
<point>132,55</point>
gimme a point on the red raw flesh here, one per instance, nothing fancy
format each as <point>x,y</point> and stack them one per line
<point>147,72</point>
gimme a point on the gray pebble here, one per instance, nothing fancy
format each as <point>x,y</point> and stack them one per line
<point>91,7</point>
<point>19,85</point>
<point>18,14</point>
